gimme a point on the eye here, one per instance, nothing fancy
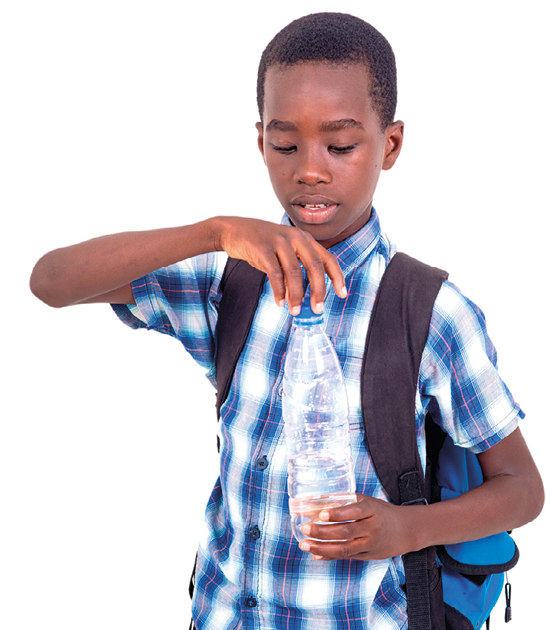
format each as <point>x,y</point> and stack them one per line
<point>346,149</point>
<point>284,149</point>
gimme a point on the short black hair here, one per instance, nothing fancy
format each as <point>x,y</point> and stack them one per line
<point>337,38</point>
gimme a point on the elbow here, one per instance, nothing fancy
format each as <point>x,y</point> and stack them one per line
<point>40,290</point>
<point>531,496</point>
<point>538,494</point>
<point>42,284</point>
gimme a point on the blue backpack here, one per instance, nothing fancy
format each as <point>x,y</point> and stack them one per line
<point>450,587</point>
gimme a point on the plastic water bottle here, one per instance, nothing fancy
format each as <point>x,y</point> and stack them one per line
<point>315,408</point>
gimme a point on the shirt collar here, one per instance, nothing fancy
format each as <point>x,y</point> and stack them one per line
<point>354,249</point>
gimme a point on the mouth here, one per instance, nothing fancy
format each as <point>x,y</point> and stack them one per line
<point>314,206</point>
<point>314,210</point>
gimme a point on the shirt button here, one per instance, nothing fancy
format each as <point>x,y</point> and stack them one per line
<point>251,602</point>
<point>262,463</point>
<point>255,533</point>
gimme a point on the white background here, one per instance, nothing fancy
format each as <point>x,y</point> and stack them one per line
<point>119,115</point>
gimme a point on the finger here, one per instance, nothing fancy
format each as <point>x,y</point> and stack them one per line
<point>293,279</point>
<point>337,532</point>
<point>275,274</point>
<point>317,279</point>
<point>331,267</point>
<point>361,509</point>
<point>335,550</point>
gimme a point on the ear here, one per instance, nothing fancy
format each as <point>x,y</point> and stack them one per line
<point>394,136</point>
<point>260,129</point>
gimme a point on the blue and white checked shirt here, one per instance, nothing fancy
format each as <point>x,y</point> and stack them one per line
<point>251,573</point>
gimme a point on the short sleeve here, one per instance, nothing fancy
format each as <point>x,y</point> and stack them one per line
<point>459,375</point>
<point>180,301</point>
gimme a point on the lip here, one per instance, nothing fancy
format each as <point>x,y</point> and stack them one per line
<point>313,215</point>
<point>304,200</point>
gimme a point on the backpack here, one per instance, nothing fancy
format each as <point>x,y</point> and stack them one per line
<point>449,587</point>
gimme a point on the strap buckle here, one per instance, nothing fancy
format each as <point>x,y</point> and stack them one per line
<point>421,501</point>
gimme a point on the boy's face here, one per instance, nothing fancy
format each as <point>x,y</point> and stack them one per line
<point>324,147</point>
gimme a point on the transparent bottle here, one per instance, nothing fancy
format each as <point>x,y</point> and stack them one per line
<point>315,409</point>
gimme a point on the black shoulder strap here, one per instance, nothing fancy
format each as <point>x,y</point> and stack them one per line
<point>241,288</point>
<point>397,335</point>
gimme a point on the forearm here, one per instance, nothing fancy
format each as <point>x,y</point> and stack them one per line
<point>500,504</point>
<point>81,272</point>
<point>373,529</point>
<point>101,270</point>
<point>511,495</point>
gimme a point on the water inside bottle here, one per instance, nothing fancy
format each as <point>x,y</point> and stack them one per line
<point>306,509</point>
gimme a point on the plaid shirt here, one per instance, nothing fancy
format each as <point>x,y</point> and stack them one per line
<point>250,571</point>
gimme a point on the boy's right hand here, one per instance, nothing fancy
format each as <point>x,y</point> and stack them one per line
<point>280,251</point>
<point>102,269</point>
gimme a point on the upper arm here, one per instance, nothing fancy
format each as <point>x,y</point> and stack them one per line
<point>510,456</point>
<point>181,301</point>
<point>459,374</point>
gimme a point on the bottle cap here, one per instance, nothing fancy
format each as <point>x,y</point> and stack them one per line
<point>307,317</point>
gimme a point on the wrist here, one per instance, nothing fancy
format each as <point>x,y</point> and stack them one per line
<point>416,527</point>
<point>216,228</point>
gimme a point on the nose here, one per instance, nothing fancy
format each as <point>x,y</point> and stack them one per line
<point>312,168</point>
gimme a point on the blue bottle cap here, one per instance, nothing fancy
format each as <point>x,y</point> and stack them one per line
<point>307,317</point>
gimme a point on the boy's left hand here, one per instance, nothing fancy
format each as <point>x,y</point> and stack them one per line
<point>511,495</point>
<point>376,530</point>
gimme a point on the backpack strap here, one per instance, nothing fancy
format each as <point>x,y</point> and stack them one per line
<point>241,288</point>
<point>397,336</point>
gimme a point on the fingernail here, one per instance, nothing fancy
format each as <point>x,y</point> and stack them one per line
<point>324,516</point>
<point>305,546</point>
<point>344,292</point>
<point>317,557</point>
<point>295,310</point>
<point>319,307</point>
<point>306,529</point>
<point>281,303</point>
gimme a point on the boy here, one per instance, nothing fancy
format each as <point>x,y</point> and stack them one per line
<point>327,98</point>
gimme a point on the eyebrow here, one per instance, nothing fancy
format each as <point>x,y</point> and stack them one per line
<point>344,123</point>
<point>280,125</point>
<point>331,125</point>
